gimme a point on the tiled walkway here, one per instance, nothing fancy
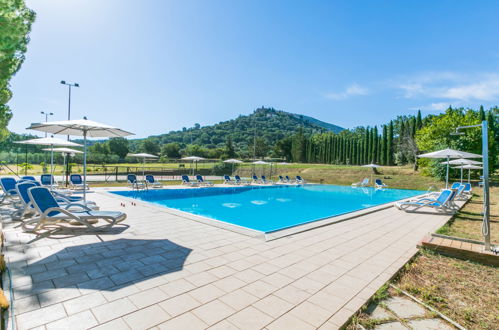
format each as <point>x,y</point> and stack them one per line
<point>170,272</point>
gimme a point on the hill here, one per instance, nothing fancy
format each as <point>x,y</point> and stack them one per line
<point>267,123</point>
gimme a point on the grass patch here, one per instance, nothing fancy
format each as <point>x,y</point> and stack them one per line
<point>463,290</point>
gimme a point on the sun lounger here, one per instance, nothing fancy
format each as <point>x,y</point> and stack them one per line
<point>8,186</point>
<point>47,180</point>
<point>28,178</point>
<point>300,180</point>
<point>186,181</point>
<point>76,182</point>
<point>282,180</point>
<point>468,189</point>
<point>52,214</point>
<point>288,180</point>
<point>228,180</point>
<point>442,203</point>
<point>265,181</point>
<point>150,180</point>
<point>202,182</point>
<point>134,183</point>
<point>240,181</point>
<point>363,183</point>
<point>378,183</point>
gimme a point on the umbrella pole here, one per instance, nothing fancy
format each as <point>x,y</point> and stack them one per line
<point>461,174</point>
<point>447,174</point>
<point>85,166</point>
<point>51,166</point>
<point>143,168</point>
<point>469,174</point>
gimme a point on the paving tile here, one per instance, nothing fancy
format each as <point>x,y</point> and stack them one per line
<point>184,321</point>
<point>229,284</point>
<point>259,289</point>
<point>113,325</point>
<point>27,304</point>
<point>57,295</point>
<point>238,299</point>
<point>206,293</point>
<point>250,318</point>
<point>273,306</point>
<point>292,294</point>
<point>404,308</point>
<point>146,318</point>
<point>201,279</point>
<point>84,302</point>
<point>40,316</point>
<point>430,324</point>
<point>83,320</point>
<point>179,304</point>
<point>311,314</point>
<point>224,325</point>
<point>290,322</point>
<point>391,326</point>
<point>113,310</point>
<point>49,275</point>
<point>148,297</point>
<point>213,312</point>
<point>177,287</point>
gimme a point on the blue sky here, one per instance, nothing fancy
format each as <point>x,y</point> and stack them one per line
<point>153,66</point>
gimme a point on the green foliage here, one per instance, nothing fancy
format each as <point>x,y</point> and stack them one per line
<point>150,146</point>
<point>170,150</point>
<point>119,147</point>
<point>15,25</point>
<point>229,151</point>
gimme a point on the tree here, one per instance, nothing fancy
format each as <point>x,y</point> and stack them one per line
<point>298,147</point>
<point>481,113</point>
<point>283,148</point>
<point>150,146</point>
<point>419,121</point>
<point>170,150</point>
<point>384,145</point>
<point>119,146</point>
<point>261,147</point>
<point>15,24</point>
<point>389,144</point>
<point>229,151</point>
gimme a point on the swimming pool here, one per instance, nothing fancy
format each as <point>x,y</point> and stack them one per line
<point>270,208</point>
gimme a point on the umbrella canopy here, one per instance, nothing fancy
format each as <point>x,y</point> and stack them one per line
<point>233,161</point>
<point>448,154</point>
<point>80,127</point>
<point>462,161</point>
<point>371,165</point>
<point>283,163</point>
<point>65,150</point>
<point>193,158</point>
<point>143,156</point>
<point>50,141</point>
<point>260,162</point>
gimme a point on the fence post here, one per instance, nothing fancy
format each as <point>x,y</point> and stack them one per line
<point>116,170</point>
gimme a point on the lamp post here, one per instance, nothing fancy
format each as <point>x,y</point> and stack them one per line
<point>63,82</point>
<point>47,114</point>
<point>486,198</point>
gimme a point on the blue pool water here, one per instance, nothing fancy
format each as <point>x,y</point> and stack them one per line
<point>270,208</point>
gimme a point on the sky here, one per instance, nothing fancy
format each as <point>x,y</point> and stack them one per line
<point>152,66</point>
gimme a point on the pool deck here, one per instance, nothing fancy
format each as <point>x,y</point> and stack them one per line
<point>166,271</point>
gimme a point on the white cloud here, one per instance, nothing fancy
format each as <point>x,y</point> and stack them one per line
<point>438,106</point>
<point>452,86</point>
<point>352,90</point>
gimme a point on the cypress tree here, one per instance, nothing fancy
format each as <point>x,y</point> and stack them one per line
<point>389,148</point>
<point>384,142</point>
<point>419,121</point>
<point>368,145</point>
<point>375,147</point>
<point>482,114</point>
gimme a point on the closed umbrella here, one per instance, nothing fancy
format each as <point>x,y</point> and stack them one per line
<point>50,141</point>
<point>194,159</point>
<point>80,127</point>
<point>448,154</point>
<point>233,161</point>
<point>143,156</point>
<point>373,166</point>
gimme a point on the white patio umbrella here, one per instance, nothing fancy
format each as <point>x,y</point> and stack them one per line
<point>233,161</point>
<point>448,154</point>
<point>194,159</point>
<point>80,127</point>
<point>50,141</point>
<point>143,156</point>
<point>461,162</point>
<point>469,168</point>
<point>66,152</point>
<point>373,166</point>
<point>260,162</point>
